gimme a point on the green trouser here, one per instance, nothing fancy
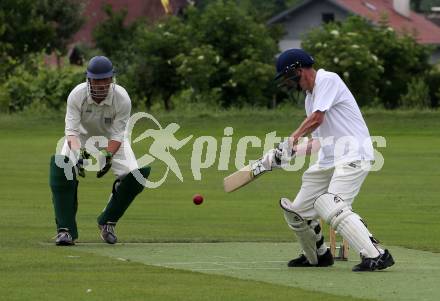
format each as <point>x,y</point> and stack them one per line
<point>123,194</point>
<point>64,186</point>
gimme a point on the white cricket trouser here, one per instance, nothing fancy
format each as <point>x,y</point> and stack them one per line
<point>124,160</point>
<point>344,180</point>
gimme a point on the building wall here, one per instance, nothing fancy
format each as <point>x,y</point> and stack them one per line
<point>305,19</point>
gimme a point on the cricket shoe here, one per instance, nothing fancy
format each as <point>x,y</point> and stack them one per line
<point>108,233</point>
<point>63,238</point>
<point>324,260</point>
<point>380,262</point>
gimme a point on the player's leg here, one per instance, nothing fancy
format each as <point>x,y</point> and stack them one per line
<point>347,181</point>
<point>309,235</point>
<point>64,186</point>
<point>129,183</point>
<point>301,217</point>
<point>335,208</point>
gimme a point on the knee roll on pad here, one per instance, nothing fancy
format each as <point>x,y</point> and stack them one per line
<point>293,219</point>
<point>332,209</point>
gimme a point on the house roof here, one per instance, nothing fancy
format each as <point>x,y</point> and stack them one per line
<point>425,31</point>
<point>152,10</point>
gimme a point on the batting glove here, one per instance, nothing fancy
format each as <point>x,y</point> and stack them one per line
<point>269,160</point>
<point>106,160</point>
<point>284,152</point>
<point>81,162</point>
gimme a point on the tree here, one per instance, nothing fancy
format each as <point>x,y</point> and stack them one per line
<point>34,83</point>
<point>221,55</point>
<point>31,26</point>
<point>260,10</point>
<point>24,28</point>
<point>239,41</point>
<point>403,60</point>
<point>113,35</point>
<point>152,72</point>
<point>376,62</point>
<point>144,54</point>
<point>65,17</point>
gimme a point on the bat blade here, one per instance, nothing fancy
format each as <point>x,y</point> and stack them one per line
<point>243,176</point>
<point>238,179</point>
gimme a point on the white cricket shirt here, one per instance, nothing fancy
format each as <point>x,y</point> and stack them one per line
<point>343,135</point>
<point>108,118</point>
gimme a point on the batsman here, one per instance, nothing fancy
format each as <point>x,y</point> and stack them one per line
<point>345,157</point>
<point>96,117</point>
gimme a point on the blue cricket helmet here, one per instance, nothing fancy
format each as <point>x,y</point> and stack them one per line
<point>292,59</point>
<point>100,67</point>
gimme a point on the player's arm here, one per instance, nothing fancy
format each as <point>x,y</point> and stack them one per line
<point>117,135</point>
<point>71,130</point>
<point>325,95</point>
<point>120,121</point>
<point>118,126</point>
<point>73,142</point>
<point>310,124</point>
<point>72,122</point>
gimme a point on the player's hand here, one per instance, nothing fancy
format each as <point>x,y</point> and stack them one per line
<point>269,160</point>
<point>105,160</point>
<point>80,169</point>
<point>284,152</point>
<point>83,155</point>
<point>294,139</point>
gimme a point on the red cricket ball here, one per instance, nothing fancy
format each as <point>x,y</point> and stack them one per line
<point>197,199</point>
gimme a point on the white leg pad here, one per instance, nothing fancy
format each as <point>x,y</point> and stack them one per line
<point>338,214</point>
<point>305,234</point>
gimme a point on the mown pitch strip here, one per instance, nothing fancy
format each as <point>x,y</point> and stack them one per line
<point>414,276</point>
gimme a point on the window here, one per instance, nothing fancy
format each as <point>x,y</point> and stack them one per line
<point>328,17</point>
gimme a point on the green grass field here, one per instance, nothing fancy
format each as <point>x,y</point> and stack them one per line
<point>233,246</point>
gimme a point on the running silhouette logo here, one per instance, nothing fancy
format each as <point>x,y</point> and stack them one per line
<point>164,141</point>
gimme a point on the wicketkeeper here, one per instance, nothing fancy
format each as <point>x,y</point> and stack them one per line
<point>330,186</point>
<point>97,113</point>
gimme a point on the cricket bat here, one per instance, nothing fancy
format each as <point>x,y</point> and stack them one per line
<point>244,176</point>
